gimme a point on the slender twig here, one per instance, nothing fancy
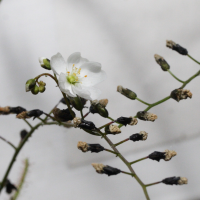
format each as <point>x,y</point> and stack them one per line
<point>81,111</point>
<point>138,160</point>
<point>153,183</point>
<point>143,101</point>
<point>175,76</point>
<point>44,74</point>
<point>105,125</point>
<point>86,114</point>
<point>127,173</point>
<point>12,145</point>
<point>110,151</point>
<point>127,139</point>
<point>28,123</point>
<point>193,59</point>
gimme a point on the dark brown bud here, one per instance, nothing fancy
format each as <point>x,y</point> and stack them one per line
<point>176,47</point>
<point>179,94</point>
<point>34,113</point>
<point>167,155</point>
<point>10,187</point>
<point>84,147</point>
<point>138,136</point>
<point>124,120</point>
<point>63,115</point>
<point>86,125</point>
<point>175,180</point>
<point>23,134</point>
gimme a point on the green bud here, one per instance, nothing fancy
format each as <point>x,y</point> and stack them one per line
<point>45,63</point>
<point>126,92</point>
<point>30,84</point>
<point>35,90</point>
<point>42,88</point>
<point>161,61</point>
<point>102,110</point>
<point>77,102</point>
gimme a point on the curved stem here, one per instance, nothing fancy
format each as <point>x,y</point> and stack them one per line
<point>193,59</point>
<point>44,74</point>
<point>28,123</point>
<point>175,76</point>
<point>143,101</point>
<point>12,145</point>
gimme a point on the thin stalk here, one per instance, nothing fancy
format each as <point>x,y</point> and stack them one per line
<point>143,101</point>
<point>193,59</point>
<point>52,111</point>
<point>175,76</point>
<point>153,183</point>
<point>86,114</point>
<point>138,160</point>
<point>105,125</point>
<point>81,111</point>
<point>28,123</point>
<point>12,145</point>
<point>44,74</point>
<point>127,139</point>
<point>127,173</point>
<point>110,151</point>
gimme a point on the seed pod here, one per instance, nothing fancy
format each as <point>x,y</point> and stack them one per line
<point>17,110</point>
<point>172,45</point>
<point>63,115</point>
<point>126,92</point>
<point>30,84</point>
<point>146,116</point>
<point>179,94</point>
<point>77,102</point>
<point>139,136</point>
<point>175,180</point>
<point>161,61</point>
<point>102,110</point>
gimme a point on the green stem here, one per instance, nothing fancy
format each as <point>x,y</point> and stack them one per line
<point>193,59</point>
<point>19,187</point>
<point>142,101</point>
<point>127,173</point>
<point>110,151</point>
<point>105,125</point>
<point>81,111</point>
<point>153,183</point>
<point>175,76</point>
<point>12,145</point>
<point>121,142</point>
<point>138,160</point>
<point>28,123</point>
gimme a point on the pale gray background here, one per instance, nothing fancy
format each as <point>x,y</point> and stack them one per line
<point>123,35</point>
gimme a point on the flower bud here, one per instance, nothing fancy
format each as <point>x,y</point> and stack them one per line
<point>23,134</point>
<point>179,94</point>
<point>63,115</point>
<point>30,84</point>
<point>112,129</point>
<point>28,114</point>
<point>146,116</point>
<point>172,45</point>
<point>17,110</point>
<point>161,61</point>
<point>175,180</point>
<point>84,147</point>
<point>42,88</point>
<point>127,120</point>
<point>167,155</point>
<point>105,169</point>
<point>45,63</point>
<point>139,136</point>
<point>87,125</point>
<point>10,187</point>
<point>102,110</point>
<point>77,102</point>
<point>126,92</point>
<point>76,121</point>
<point>35,90</point>
<point>103,102</point>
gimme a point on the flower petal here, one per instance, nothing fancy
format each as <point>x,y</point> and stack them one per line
<point>81,92</point>
<point>65,86</point>
<point>58,64</point>
<point>92,74</point>
<point>94,92</point>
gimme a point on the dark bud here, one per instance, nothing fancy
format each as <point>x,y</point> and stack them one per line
<point>124,120</point>
<point>136,137</point>
<point>176,47</point>
<point>179,94</point>
<point>17,110</point>
<point>63,115</point>
<point>86,125</point>
<point>156,155</point>
<point>93,110</point>
<point>146,116</point>
<point>10,187</point>
<point>171,181</point>
<point>23,134</point>
<point>95,148</point>
<point>162,62</point>
<point>34,113</point>
<point>111,170</point>
<point>126,92</point>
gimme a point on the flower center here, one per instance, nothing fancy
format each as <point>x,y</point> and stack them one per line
<point>72,79</point>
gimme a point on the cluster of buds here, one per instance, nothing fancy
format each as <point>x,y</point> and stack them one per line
<point>175,180</point>
<point>176,47</point>
<point>63,115</point>
<point>167,155</point>
<point>146,116</point>
<point>126,92</point>
<point>162,62</point>
<point>85,147</point>
<point>139,136</point>
<point>99,106</point>
<point>105,169</point>
<point>127,120</point>
<point>11,110</point>
<point>28,114</point>
<point>34,88</point>
<point>179,94</point>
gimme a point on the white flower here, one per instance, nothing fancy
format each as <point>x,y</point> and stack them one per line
<point>77,76</point>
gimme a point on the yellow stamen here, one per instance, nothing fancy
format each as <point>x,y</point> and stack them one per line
<point>85,76</point>
<point>73,65</point>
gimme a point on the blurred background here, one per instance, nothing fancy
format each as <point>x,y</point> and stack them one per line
<point>123,35</point>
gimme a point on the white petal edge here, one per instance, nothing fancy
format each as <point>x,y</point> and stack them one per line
<point>94,92</point>
<point>81,92</point>
<point>58,64</point>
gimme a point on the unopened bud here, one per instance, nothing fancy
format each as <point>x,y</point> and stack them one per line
<point>127,120</point>
<point>114,129</point>
<point>42,88</point>
<point>87,125</point>
<point>63,115</point>
<point>10,187</point>
<point>77,102</point>
<point>28,114</point>
<point>35,90</point>
<point>17,110</point>
<point>30,84</point>
<point>175,180</point>
<point>105,169</point>
<point>4,110</point>
<point>84,147</point>
<point>23,134</point>
<point>161,61</point>
<point>167,155</point>
<point>23,115</point>
<point>172,45</point>
<point>76,121</point>
<point>45,63</point>
<point>103,102</point>
<point>102,110</point>
<point>179,94</point>
<point>139,136</point>
<point>126,92</point>
<point>146,116</point>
